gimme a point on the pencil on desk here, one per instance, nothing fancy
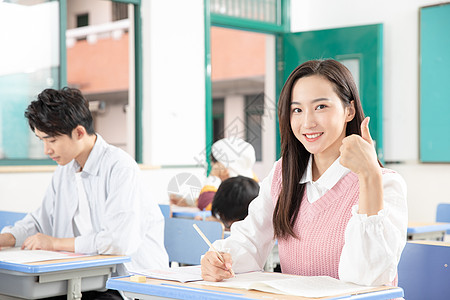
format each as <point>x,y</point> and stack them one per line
<point>211,246</point>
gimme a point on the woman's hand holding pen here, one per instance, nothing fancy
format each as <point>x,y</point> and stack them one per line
<point>358,154</point>
<point>213,269</point>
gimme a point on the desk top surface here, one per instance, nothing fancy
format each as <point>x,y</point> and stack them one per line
<point>420,227</point>
<point>191,214</point>
<point>173,289</point>
<point>64,264</point>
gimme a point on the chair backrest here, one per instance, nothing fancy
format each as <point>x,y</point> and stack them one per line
<point>183,244</point>
<point>165,209</point>
<point>443,212</point>
<point>424,270</point>
<point>8,218</point>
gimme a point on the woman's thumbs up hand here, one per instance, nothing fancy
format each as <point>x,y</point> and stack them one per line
<point>358,153</point>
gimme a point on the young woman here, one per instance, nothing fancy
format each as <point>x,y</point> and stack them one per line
<point>334,210</point>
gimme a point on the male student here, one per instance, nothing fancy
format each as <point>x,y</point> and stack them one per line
<point>96,201</point>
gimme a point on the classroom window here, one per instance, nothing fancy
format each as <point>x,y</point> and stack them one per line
<point>98,57</point>
<point>30,62</point>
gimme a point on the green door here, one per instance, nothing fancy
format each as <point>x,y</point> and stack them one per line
<point>359,48</point>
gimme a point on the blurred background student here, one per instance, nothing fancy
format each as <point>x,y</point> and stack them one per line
<point>230,157</point>
<point>230,203</point>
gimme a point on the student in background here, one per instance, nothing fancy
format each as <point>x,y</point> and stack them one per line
<point>230,157</point>
<point>96,201</point>
<point>334,210</point>
<point>230,203</point>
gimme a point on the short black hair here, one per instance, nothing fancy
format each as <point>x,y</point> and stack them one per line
<point>232,198</point>
<point>59,112</point>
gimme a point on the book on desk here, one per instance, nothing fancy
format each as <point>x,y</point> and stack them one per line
<point>305,287</point>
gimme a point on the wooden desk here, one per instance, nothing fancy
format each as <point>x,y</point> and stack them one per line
<point>163,289</point>
<point>427,231</point>
<point>57,277</point>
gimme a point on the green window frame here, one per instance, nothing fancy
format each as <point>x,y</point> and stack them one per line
<point>227,17</point>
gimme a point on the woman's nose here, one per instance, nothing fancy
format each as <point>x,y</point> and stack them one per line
<point>308,120</point>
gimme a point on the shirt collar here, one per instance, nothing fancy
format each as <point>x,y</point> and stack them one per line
<point>91,166</point>
<point>329,178</point>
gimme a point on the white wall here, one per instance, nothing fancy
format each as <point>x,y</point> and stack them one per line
<point>23,192</point>
<point>427,184</point>
<point>174,82</point>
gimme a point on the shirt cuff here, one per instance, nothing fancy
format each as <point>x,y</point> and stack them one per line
<point>18,234</point>
<point>363,218</point>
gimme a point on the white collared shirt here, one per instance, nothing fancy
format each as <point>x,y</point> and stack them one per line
<point>316,189</point>
<point>125,219</point>
<point>82,223</point>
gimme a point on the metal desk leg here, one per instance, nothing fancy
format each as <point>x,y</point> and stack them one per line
<point>74,289</point>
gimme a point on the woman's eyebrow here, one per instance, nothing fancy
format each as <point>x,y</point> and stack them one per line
<point>313,101</point>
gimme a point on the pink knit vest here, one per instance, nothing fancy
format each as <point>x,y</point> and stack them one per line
<point>320,228</point>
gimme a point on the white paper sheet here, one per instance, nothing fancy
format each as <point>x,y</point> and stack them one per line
<point>278,283</point>
<point>16,255</point>
<point>181,274</point>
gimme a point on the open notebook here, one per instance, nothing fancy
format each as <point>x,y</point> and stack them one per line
<point>278,283</point>
<point>16,255</point>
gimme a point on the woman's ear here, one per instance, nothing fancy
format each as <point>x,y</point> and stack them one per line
<point>350,111</point>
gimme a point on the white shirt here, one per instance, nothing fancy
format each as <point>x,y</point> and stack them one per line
<point>316,189</point>
<point>372,248</point>
<point>82,220</point>
<point>125,219</point>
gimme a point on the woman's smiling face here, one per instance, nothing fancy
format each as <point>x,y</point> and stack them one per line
<point>318,116</point>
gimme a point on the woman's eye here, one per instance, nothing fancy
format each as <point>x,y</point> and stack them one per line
<point>321,106</point>
<point>296,110</point>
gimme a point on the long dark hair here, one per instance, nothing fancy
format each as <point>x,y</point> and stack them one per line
<point>294,155</point>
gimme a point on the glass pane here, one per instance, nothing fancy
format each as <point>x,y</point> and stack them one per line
<point>218,119</point>
<point>256,10</point>
<point>99,63</point>
<point>254,110</point>
<point>353,65</point>
<point>29,63</point>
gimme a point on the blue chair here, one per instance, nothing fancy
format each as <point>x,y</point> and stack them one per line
<point>182,242</point>
<point>443,213</point>
<point>165,209</point>
<point>424,270</point>
<point>8,218</point>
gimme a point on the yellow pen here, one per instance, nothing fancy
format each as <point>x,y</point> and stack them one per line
<point>212,247</point>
